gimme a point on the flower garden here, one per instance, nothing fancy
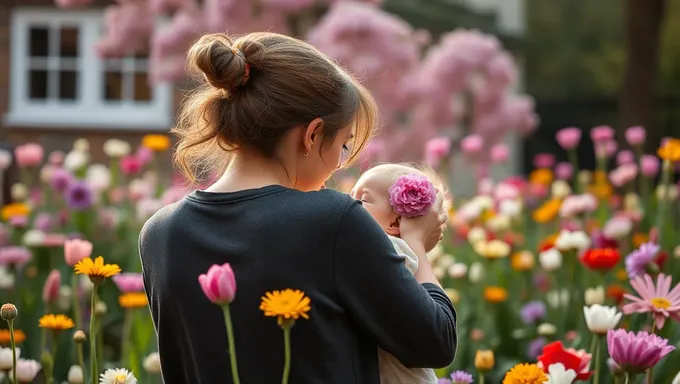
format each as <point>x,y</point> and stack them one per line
<point>564,276</point>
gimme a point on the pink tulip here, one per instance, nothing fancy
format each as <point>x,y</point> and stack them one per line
<point>649,165</point>
<point>623,175</point>
<point>56,158</point>
<point>437,149</point>
<point>564,171</point>
<point>610,148</point>
<point>500,153</point>
<point>636,135</point>
<point>29,155</point>
<point>544,160</point>
<point>472,144</point>
<point>602,134</point>
<point>130,165</point>
<point>76,250</point>
<point>568,138</point>
<point>625,157</point>
<point>129,282</point>
<point>51,288</point>
<point>16,256</point>
<point>219,284</point>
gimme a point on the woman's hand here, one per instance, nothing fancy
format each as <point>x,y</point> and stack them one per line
<point>428,229</point>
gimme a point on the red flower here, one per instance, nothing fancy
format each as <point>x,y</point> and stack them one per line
<point>601,258</point>
<point>660,259</point>
<point>579,361</point>
<point>616,292</point>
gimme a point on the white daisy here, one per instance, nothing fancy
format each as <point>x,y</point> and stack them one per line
<point>117,376</point>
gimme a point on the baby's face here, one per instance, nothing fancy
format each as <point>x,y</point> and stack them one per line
<point>372,191</point>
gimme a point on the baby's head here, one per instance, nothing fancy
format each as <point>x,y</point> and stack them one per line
<point>372,189</point>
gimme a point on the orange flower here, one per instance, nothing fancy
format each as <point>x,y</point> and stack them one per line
<point>670,150</point>
<point>548,211</point>
<point>542,176</point>
<point>548,242</point>
<point>599,176</point>
<point>640,238</point>
<point>622,274</point>
<point>602,191</point>
<point>522,261</point>
<point>601,258</point>
<point>19,336</point>
<point>616,292</point>
<point>495,294</point>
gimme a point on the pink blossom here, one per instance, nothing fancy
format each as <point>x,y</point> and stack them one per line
<point>173,194</point>
<point>602,134</point>
<point>610,147</point>
<point>575,205</point>
<point>484,185</point>
<point>127,27</point>
<point>617,227</point>
<point>29,155</point>
<point>144,155</point>
<point>72,3</point>
<point>219,284</point>
<point>129,282</point>
<point>372,153</point>
<point>437,149</point>
<point>564,170</point>
<point>51,287</point>
<point>54,240</point>
<point>130,165</point>
<point>649,165</point>
<point>76,250</point>
<point>653,297</point>
<point>636,135</point>
<point>412,195</point>
<point>56,158</point>
<point>544,160</point>
<point>538,190</point>
<point>18,221</point>
<point>500,153</point>
<point>17,256</point>
<point>505,191</point>
<point>623,175</point>
<point>625,157</point>
<point>568,138</point>
<point>472,144</point>
<point>43,222</point>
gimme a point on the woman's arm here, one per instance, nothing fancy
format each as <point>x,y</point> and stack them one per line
<point>416,323</point>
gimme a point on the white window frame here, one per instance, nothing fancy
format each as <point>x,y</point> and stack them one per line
<point>90,110</point>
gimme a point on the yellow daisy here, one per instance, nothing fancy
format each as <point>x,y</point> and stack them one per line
<point>96,270</point>
<point>56,322</point>
<point>286,304</point>
<point>133,300</point>
<point>525,374</point>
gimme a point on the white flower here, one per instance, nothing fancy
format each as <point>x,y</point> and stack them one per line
<point>572,241</point>
<point>65,298</point>
<point>484,202</point>
<point>618,228</point>
<point>550,259</point>
<point>558,298</point>
<point>27,370</point>
<point>6,358</point>
<point>676,379</point>
<point>469,211</point>
<point>558,374</point>
<point>510,207</point>
<point>458,270</point>
<point>75,375</point>
<point>668,194</point>
<point>98,177</point>
<point>631,202</point>
<point>117,376</point>
<point>100,308</point>
<point>595,295</point>
<point>560,189</point>
<point>82,145</point>
<point>152,363</point>
<point>139,188</point>
<point>5,159</point>
<point>76,160</point>
<point>601,318</point>
<point>6,278</point>
<point>446,260</point>
<point>476,272</point>
<point>676,252</point>
<point>546,329</point>
<point>475,235</point>
<point>34,238</point>
<point>116,148</point>
<point>499,223</point>
<point>584,176</point>
<point>19,192</point>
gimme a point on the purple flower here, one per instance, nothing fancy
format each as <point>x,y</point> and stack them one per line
<point>79,196</point>
<point>636,352</point>
<point>412,195</point>
<point>535,347</point>
<point>43,222</point>
<point>461,377</point>
<point>60,179</point>
<point>639,259</point>
<point>532,311</point>
<point>16,256</point>
<point>443,381</point>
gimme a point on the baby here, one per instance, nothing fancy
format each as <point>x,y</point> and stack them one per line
<point>373,189</point>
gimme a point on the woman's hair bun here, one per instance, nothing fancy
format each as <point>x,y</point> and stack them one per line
<point>223,66</point>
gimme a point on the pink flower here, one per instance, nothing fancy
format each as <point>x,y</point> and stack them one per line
<point>636,352</point>
<point>564,170</point>
<point>575,205</point>
<point>625,157</point>
<point>610,147</point>
<point>144,154</point>
<point>649,165</point>
<point>623,175</point>
<point>51,288</point>
<point>17,256</point>
<point>472,144</point>
<point>56,158</point>
<point>29,155</point>
<point>544,160</point>
<point>412,195</point>
<point>505,191</point>
<point>437,149</point>
<point>54,240</point>
<point>130,165</point>
<point>602,134</point>
<point>129,282</point>
<point>568,138</point>
<point>76,250</point>
<point>219,284</point>
<point>657,298</point>
<point>500,153</point>
<point>635,135</point>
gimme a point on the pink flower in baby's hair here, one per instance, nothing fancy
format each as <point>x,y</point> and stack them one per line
<point>412,195</point>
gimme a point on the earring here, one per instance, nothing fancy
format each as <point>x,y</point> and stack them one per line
<point>306,153</point>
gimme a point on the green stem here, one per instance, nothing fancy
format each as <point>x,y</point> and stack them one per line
<point>94,371</point>
<point>573,159</point>
<point>232,344</point>
<point>650,372</point>
<point>598,360</point>
<point>286,345</point>
<point>80,356</point>
<point>50,374</point>
<point>628,377</point>
<point>76,302</point>
<point>10,322</point>
<point>125,341</point>
<point>481,378</point>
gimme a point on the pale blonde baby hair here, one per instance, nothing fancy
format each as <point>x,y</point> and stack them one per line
<point>395,170</point>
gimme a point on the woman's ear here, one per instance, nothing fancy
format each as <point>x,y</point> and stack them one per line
<point>393,229</point>
<point>313,135</point>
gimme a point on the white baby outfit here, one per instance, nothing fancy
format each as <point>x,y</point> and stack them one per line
<point>391,369</point>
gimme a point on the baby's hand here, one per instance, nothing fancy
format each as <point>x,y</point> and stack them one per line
<point>428,229</point>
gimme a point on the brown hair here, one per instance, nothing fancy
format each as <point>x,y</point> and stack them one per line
<point>254,90</point>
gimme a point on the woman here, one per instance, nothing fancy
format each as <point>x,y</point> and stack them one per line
<point>283,115</point>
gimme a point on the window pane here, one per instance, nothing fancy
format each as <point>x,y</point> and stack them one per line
<point>37,87</point>
<point>68,85</point>
<point>113,85</point>
<point>143,91</point>
<point>39,41</point>
<point>68,42</point>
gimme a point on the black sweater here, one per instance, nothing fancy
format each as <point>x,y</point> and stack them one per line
<point>323,243</point>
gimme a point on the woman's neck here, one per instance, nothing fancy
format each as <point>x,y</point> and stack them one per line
<point>250,172</point>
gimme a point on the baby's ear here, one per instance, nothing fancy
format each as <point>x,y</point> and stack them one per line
<point>393,229</point>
